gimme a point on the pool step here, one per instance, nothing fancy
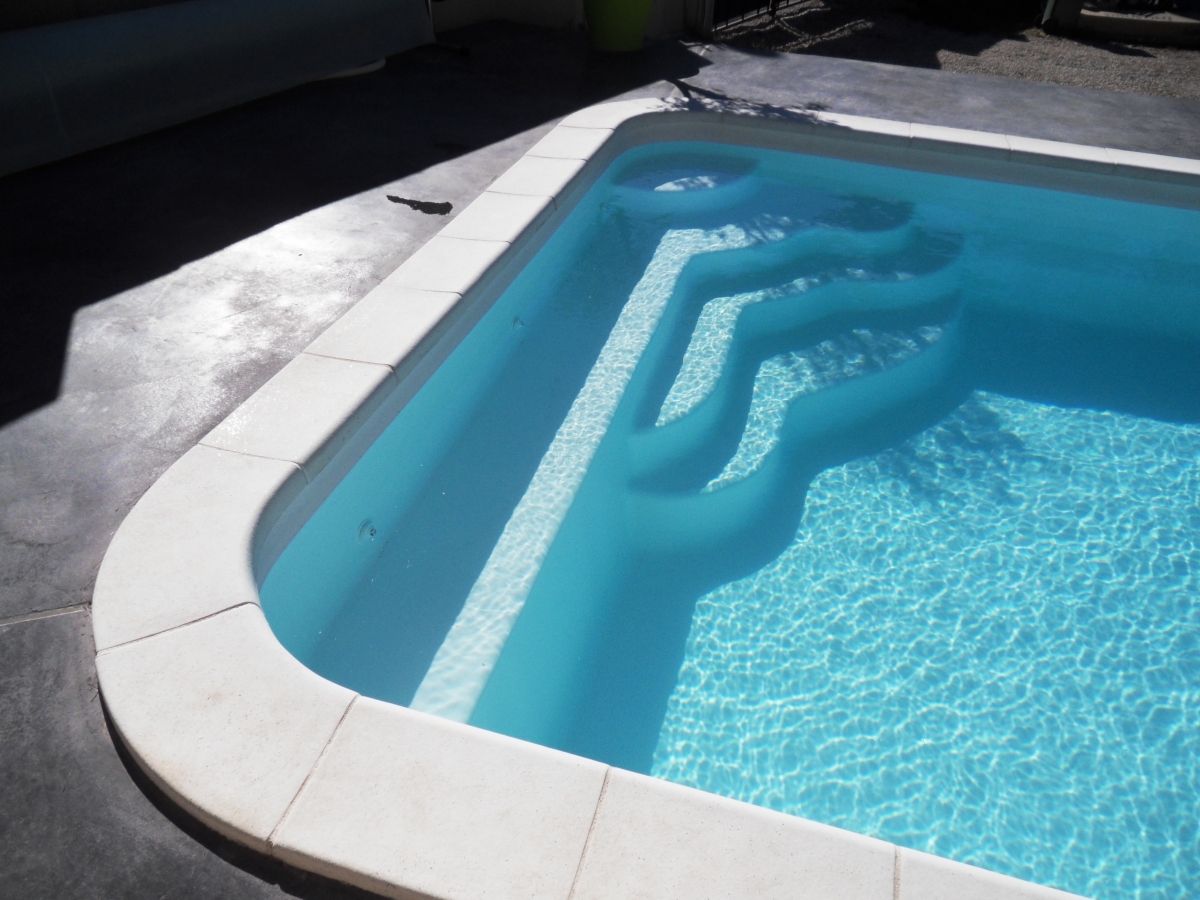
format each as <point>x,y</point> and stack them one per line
<point>781,379</point>
<point>747,523</point>
<point>462,665</point>
<point>760,272</point>
<point>691,449</point>
<point>698,183</point>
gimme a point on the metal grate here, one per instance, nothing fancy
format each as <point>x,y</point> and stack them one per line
<point>733,12</point>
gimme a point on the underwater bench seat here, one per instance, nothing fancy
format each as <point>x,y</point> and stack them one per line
<point>79,84</point>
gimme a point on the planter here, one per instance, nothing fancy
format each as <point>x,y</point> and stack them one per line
<point>617,26</point>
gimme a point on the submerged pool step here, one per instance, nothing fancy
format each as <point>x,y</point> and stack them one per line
<point>780,380</point>
<point>688,449</point>
<point>774,262</point>
<point>462,665</point>
<point>698,183</point>
<point>728,282</point>
<point>749,521</point>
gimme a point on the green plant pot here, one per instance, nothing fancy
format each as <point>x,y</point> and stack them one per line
<point>617,26</point>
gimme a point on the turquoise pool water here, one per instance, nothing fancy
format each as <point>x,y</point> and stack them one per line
<point>863,494</point>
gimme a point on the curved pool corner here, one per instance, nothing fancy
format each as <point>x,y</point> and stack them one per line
<point>249,741</point>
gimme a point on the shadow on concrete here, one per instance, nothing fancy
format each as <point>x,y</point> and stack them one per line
<point>1110,46</point>
<point>899,32</point>
<point>86,228</point>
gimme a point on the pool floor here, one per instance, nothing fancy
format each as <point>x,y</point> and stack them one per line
<point>983,643</point>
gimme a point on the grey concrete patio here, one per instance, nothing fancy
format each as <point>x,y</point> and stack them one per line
<point>151,286</point>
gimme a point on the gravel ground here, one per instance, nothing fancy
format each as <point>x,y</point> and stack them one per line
<point>900,32</point>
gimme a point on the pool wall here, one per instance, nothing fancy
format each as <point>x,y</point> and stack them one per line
<point>256,746</point>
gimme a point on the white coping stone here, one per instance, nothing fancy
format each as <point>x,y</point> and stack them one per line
<point>984,143</point>
<point>571,143</point>
<point>302,414</point>
<point>447,264</point>
<point>1053,153</point>
<point>537,176</point>
<point>222,718</point>
<point>866,124</point>
<point>922,876</point>
<point>610,115</point>
<point>1131,162</point>
<point>184,551</point>
<point>386,326</point>
<point>655,839</point>
<point>499,217</point>
<point>402,800</point>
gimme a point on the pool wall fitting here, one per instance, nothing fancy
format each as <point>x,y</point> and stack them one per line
<point>246,739</point>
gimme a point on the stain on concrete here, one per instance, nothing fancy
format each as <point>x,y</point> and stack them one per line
<point>429,207</point>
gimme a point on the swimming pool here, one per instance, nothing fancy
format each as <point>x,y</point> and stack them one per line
<point>862,493</point>
<point>799,405</point>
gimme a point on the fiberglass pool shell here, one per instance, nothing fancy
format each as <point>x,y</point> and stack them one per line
<point>598,457</point>
<point>931,289</point>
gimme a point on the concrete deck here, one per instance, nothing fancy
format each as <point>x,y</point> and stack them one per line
<point>152,286</point>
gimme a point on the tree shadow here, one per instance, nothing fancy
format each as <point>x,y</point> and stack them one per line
<point>83,229</point>
<point>897,32</point>
<point>1114,47</point>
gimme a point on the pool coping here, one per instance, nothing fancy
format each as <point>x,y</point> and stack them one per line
<point>243,737</point>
